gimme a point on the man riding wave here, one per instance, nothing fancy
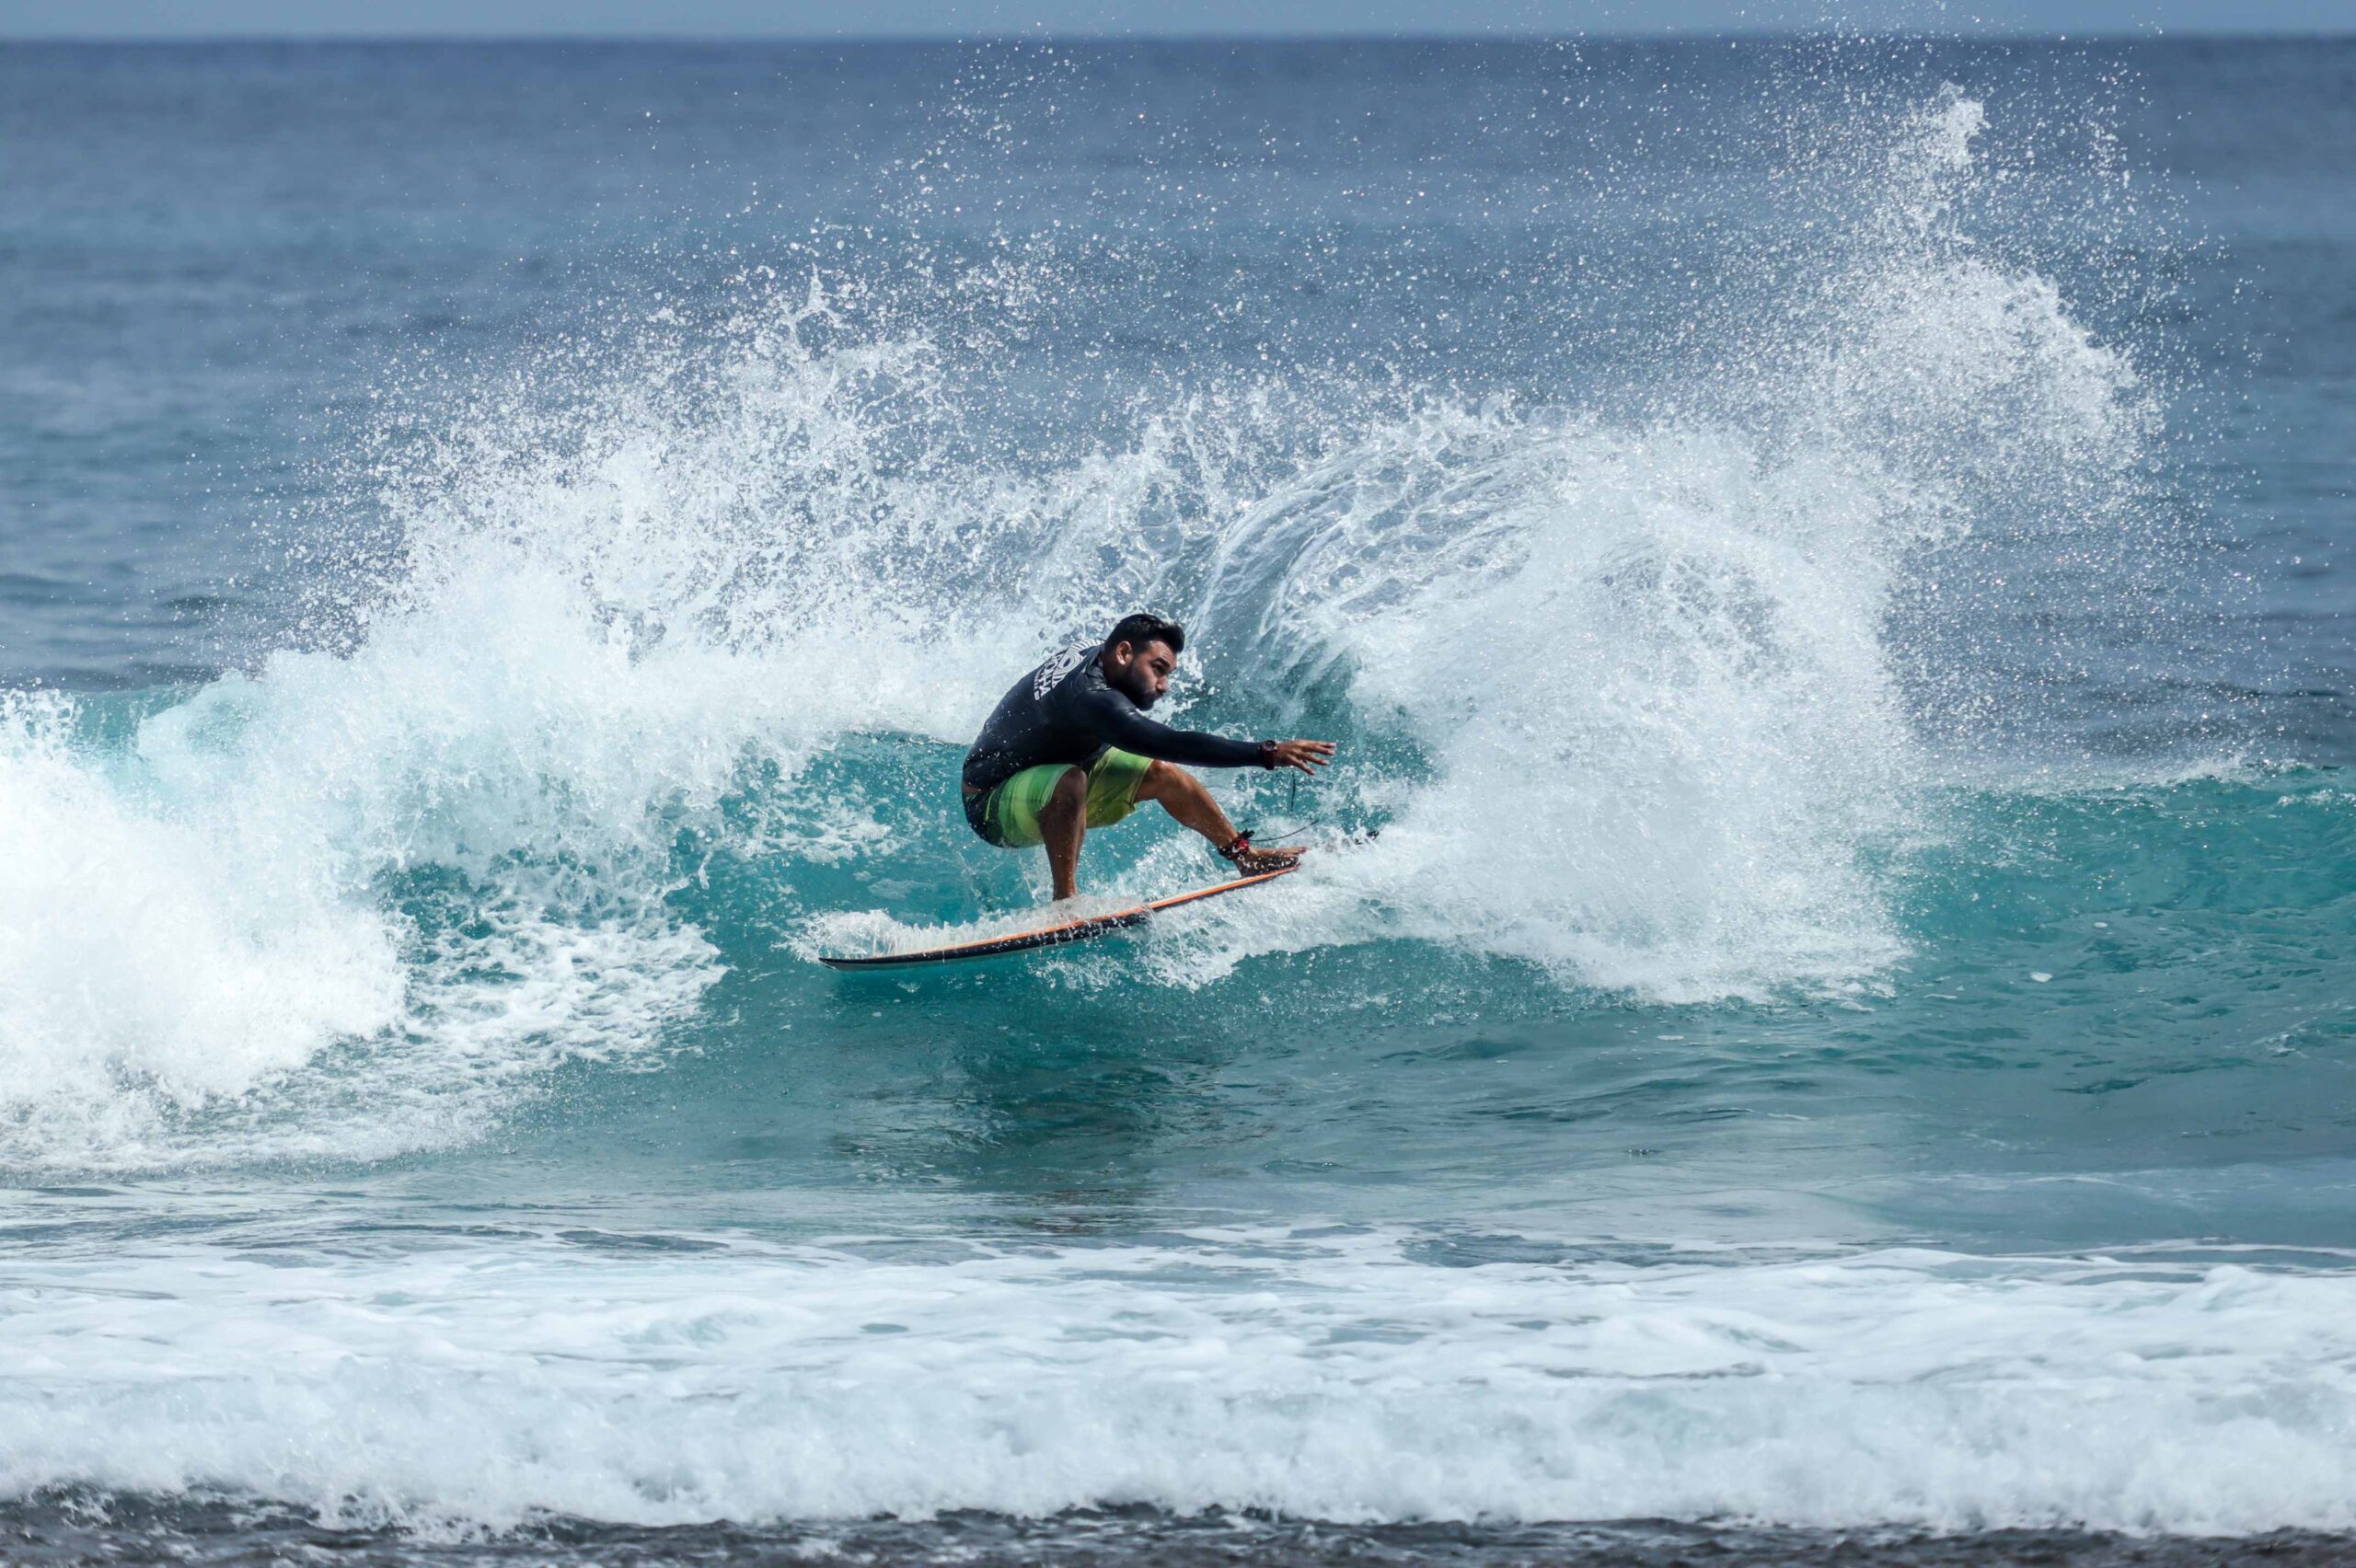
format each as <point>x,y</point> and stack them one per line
<point>1069,748</point>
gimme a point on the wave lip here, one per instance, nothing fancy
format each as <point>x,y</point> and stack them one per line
<point>1332,1376</point>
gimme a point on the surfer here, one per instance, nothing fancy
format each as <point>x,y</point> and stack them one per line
<point>1069,748</point>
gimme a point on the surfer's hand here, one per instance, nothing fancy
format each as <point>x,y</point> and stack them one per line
<point>1307,756</point>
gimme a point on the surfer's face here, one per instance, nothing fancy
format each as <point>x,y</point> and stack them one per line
<point>1141,677</point>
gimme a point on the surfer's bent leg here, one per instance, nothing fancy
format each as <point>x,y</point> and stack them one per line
<point>1063,823</point>
<point>1182,796</point>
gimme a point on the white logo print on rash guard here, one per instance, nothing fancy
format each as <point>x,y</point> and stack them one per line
<point>1044,678</point>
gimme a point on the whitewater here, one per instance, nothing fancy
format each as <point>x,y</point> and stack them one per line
<point>1815,1005</point>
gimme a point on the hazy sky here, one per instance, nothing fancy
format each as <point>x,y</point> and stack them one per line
<point>977,19</point>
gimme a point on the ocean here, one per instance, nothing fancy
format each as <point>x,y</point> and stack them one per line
<point>1816,1025</point>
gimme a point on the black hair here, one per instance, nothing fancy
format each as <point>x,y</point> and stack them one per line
<point>1144,626</point>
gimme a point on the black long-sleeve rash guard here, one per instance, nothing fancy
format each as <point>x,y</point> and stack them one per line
<point>1065,711</point>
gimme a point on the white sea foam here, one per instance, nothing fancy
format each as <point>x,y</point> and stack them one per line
<point>1325,1376</point>
<point>1647,674</point>
<point>135,947</point>
<point>1648,666</point>
<point>189,929</point>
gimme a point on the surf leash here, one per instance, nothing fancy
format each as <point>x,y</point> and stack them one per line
<point>1248,837</point>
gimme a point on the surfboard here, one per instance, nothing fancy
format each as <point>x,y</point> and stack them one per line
<point>1054,934</point>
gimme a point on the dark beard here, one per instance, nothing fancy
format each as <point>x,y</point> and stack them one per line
<point>1136,690</point>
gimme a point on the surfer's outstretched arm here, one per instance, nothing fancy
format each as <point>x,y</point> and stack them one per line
<point>1116,721</point>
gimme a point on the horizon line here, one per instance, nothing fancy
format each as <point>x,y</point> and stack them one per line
<point>1498,35</point>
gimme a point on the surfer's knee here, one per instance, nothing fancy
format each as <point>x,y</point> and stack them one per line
<point>1164,779</point>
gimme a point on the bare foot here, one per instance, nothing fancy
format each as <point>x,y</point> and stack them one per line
<point>1253,862</point>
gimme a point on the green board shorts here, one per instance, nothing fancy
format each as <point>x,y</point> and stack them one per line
<point>1008,815</point>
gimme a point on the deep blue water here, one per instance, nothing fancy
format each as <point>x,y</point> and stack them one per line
<point>1828,567</point>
